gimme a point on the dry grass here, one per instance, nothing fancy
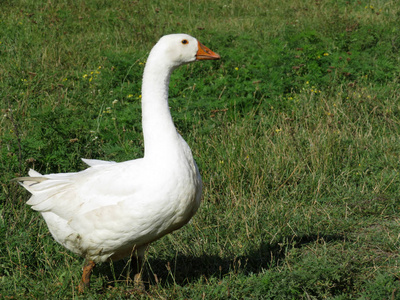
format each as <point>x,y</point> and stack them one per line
<point>296,133</point>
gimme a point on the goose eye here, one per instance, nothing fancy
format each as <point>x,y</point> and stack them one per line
<point>185,42</point>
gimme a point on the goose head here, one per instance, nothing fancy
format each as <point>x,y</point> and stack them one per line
<point>180,49</point>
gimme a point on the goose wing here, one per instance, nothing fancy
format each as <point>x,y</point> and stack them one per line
<point>101,185</point>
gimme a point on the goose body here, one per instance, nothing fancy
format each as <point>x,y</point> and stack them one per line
<point>110,209</point>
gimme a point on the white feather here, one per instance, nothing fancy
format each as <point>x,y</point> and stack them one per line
<point>109,208</point>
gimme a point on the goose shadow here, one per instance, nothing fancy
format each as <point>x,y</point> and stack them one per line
<point>183,269</point>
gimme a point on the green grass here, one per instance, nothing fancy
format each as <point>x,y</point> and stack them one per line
<point>296,132</point>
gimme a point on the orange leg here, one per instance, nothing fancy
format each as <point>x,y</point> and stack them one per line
<point>87,271</point>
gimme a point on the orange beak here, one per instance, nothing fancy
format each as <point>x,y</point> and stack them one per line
<point>204,53</point>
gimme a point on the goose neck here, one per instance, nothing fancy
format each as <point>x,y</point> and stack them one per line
<point>159,132</point>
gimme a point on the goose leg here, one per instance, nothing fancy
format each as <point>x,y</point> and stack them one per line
<point>137,279</point>
<point>87,271</point>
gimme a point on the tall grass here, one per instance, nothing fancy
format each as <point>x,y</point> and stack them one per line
<point>295,130</point>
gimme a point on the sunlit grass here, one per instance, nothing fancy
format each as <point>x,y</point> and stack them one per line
<point>295,130</point>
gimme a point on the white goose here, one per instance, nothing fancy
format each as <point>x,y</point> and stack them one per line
<point>111,210</point>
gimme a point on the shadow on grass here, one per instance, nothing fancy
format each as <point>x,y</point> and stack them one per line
<point>184,269</point>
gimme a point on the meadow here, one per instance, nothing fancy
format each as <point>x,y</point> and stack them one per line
<point>296,131</point>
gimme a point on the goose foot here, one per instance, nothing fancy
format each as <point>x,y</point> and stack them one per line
<point>87,271</point>
<point>138,283</point>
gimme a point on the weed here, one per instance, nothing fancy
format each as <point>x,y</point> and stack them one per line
<point>295,130</point>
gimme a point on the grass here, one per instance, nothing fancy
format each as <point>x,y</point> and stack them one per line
<point>295,130</point>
